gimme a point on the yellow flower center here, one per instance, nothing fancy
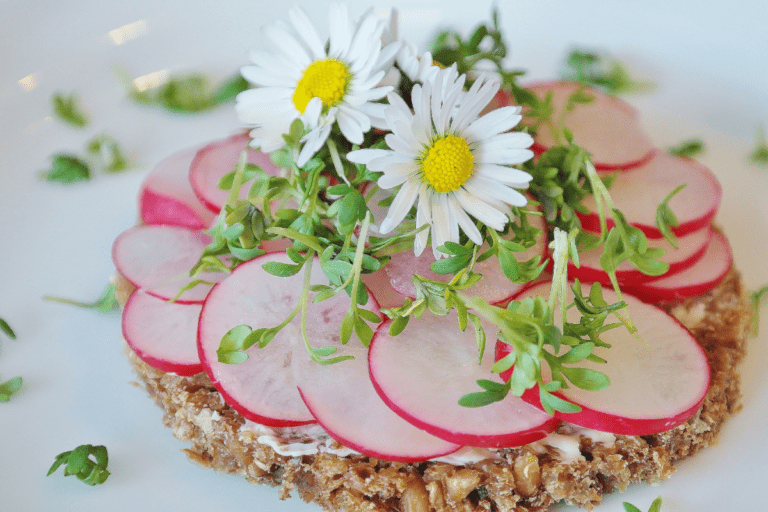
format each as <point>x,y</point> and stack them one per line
<point>325,79</point>
<point>448,163</point>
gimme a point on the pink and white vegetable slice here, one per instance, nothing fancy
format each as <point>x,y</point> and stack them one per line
<point>166,196</point>
<point>263,388</point>
<point>218,158</point>
<point>422,373</point>
<point>691,248</point>
<point>163,334</point>
<point>158,259</point>
<point>638,194</point>
<point>607,127</point>
<point>659,378</point>
<point>347,406</point>
<point>494,287</point>
<point>696,280</point>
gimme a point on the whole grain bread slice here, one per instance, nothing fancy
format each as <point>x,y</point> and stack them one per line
<point>529,478</point>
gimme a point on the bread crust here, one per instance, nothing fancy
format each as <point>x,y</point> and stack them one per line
<point>529,478</point>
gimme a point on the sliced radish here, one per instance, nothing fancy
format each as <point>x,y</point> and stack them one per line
<point>494,287</point>
<point>163,334</point>
<point>215,160</point>
<point>158,259</point>
<point>166,197</point>
<point>691,249</point>
<point>607,127</point>
<point>659,377</point>
<point>347,406</point>
<point>381,288</point>
<point>638,194</point>
<point>263,388</point>
<point>696,280</point>
<point>422,373</point>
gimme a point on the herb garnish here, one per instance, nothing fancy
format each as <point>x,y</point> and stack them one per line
<point>9,387</point>
<point>756,299</point>
<point>655,506</point>
<point>185,93</point>
<point>759,155</point>
<point>92,471</point>
<point>107,303</point>
<point>103,153</point>
<point>608,74</point>
<point>66,108</point>
<point>688,148</point>
<point>6,329</point>
<point>67,169</point>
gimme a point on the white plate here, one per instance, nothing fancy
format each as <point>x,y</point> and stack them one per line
<point>709,63</point>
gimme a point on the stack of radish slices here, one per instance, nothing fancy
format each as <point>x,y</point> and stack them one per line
<point>610,130</point>
<point>398,399</point>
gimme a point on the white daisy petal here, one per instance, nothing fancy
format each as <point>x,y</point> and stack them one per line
<point>483,187</point>
<point>492,123</point>
<point>512,156</point>
<point>364,156</point>
<point>506,175</point>
<point>421,238</point>
<point>441,225</point>
<point>288,45</point>
<point>509,140</point>
<point>481,210</point>
<point>400,146</point>
<point>380,164</point>
<point>341,35</point>
<point>350,128</point>
<point>307,32</point>
<point>401,205</point>
<point>262,77</point>
<point>466,224</point>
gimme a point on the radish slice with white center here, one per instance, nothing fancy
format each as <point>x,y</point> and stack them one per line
<point>158,259</point>
<point>422,373</point>
<point>639,193</point>
<point>694,281</point>
<point>263,388</point>
<point>690,249</point>
<point>215,160</point>
<point>494,287</point>
<point>163,334</point>
<point>166,197</point>
<point>608,128</point>
<point>347,406</point>
<point>659,377</point>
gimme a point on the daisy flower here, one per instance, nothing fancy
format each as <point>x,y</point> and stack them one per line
<point>321,83</point>
<point>453,164</point>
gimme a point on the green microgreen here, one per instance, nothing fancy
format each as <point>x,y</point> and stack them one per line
<point>486,43</point>
<point>601,71</point>
<point>86,462</point>
<point>67,169</point>
<point>759,154</point>
<point>9,387</point>
<point>655,506</point>
<point>108,153</point>
<point>66,108</point>
<point>6,329</point>
<point>106,303</point>
<point>688,148</point>
<point>666,219</point>
<point>191,93</point>
<point>756,299</point>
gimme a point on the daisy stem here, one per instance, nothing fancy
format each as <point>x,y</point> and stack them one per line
<point>602,198</point>
<point>357,264</point>
<point>559,276</point>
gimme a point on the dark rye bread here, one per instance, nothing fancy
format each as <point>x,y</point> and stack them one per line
<point>520,479</point>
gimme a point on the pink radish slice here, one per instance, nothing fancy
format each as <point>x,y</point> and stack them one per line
<point>659,378</point>
<point>158,259</point>
<point>422,374</point>
<point>494,287</point>
<point>344,402</point>
<point>691,249</point>
<point>163,334</point>
<point>263,388</point>
<point>381,288</point>
<point>694,281</point>
<point>215,160</point>
<point>166,196</point>
<point>607,127</point>
<point>638,194</point>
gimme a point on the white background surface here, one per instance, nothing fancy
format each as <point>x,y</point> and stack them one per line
<point>708,58</point>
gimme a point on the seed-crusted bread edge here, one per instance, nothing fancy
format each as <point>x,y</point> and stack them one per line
<point>520,479</point>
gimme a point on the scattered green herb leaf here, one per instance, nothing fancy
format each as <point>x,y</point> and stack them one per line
<point>5,328</point>
<point>78,462</point>
<point>107,303</point>
<point>108,152</point>
<point>759,155</point>
<point>67,169</point>
<point>655,506</point>
<point>608,74</point>
<point>65,107</point>
<point>689,148</point>
<point>8,388</point>
<point>756,299</point>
